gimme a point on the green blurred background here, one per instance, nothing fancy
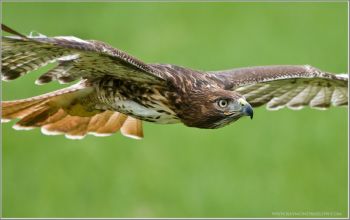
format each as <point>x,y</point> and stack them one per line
<point>282,161</point>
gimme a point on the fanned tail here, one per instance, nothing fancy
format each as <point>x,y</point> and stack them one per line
<point>60,112</point>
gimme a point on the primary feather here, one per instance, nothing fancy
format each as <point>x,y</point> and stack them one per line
<point>286,86</point>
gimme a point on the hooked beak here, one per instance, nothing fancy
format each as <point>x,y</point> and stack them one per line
<point>246,108</point>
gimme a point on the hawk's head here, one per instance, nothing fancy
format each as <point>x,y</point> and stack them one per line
<point>214,109</point>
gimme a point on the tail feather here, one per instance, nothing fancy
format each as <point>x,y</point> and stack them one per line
<point>106,123</point>
<point>132,128</point>
<point>36,117</point>
<point>18,109</point>
<point>73,127</point>
<point>53,113</point>
<point>98,121</point>
<point>60,114</point>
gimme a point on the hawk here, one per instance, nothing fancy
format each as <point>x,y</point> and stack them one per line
<point>116,91</point>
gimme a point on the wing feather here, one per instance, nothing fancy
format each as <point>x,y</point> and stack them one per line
<point>322,99</point>
<point>304,97</point>
<point>76,59</point>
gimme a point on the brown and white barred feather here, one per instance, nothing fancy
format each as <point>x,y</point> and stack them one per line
<point>75,59</point>
<point>296,94</point>
<point>286,86</point>
<point>60,113</point>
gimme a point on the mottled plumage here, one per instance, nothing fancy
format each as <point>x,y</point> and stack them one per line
<point>117,91</point>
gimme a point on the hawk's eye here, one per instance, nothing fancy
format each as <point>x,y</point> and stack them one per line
<point>222,103</point>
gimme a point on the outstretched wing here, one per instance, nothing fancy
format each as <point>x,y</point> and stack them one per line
<point>291,86</point>
<point>75,59</point>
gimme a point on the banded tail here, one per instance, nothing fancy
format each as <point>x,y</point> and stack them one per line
<point>60,112</point>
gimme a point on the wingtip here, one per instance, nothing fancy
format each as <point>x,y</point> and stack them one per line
<point>11,31</point>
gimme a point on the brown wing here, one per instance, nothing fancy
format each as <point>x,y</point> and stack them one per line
<point>291,86</point>
<point>75,59</point>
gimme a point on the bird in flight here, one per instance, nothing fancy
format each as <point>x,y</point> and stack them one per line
<point>116,91</point>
